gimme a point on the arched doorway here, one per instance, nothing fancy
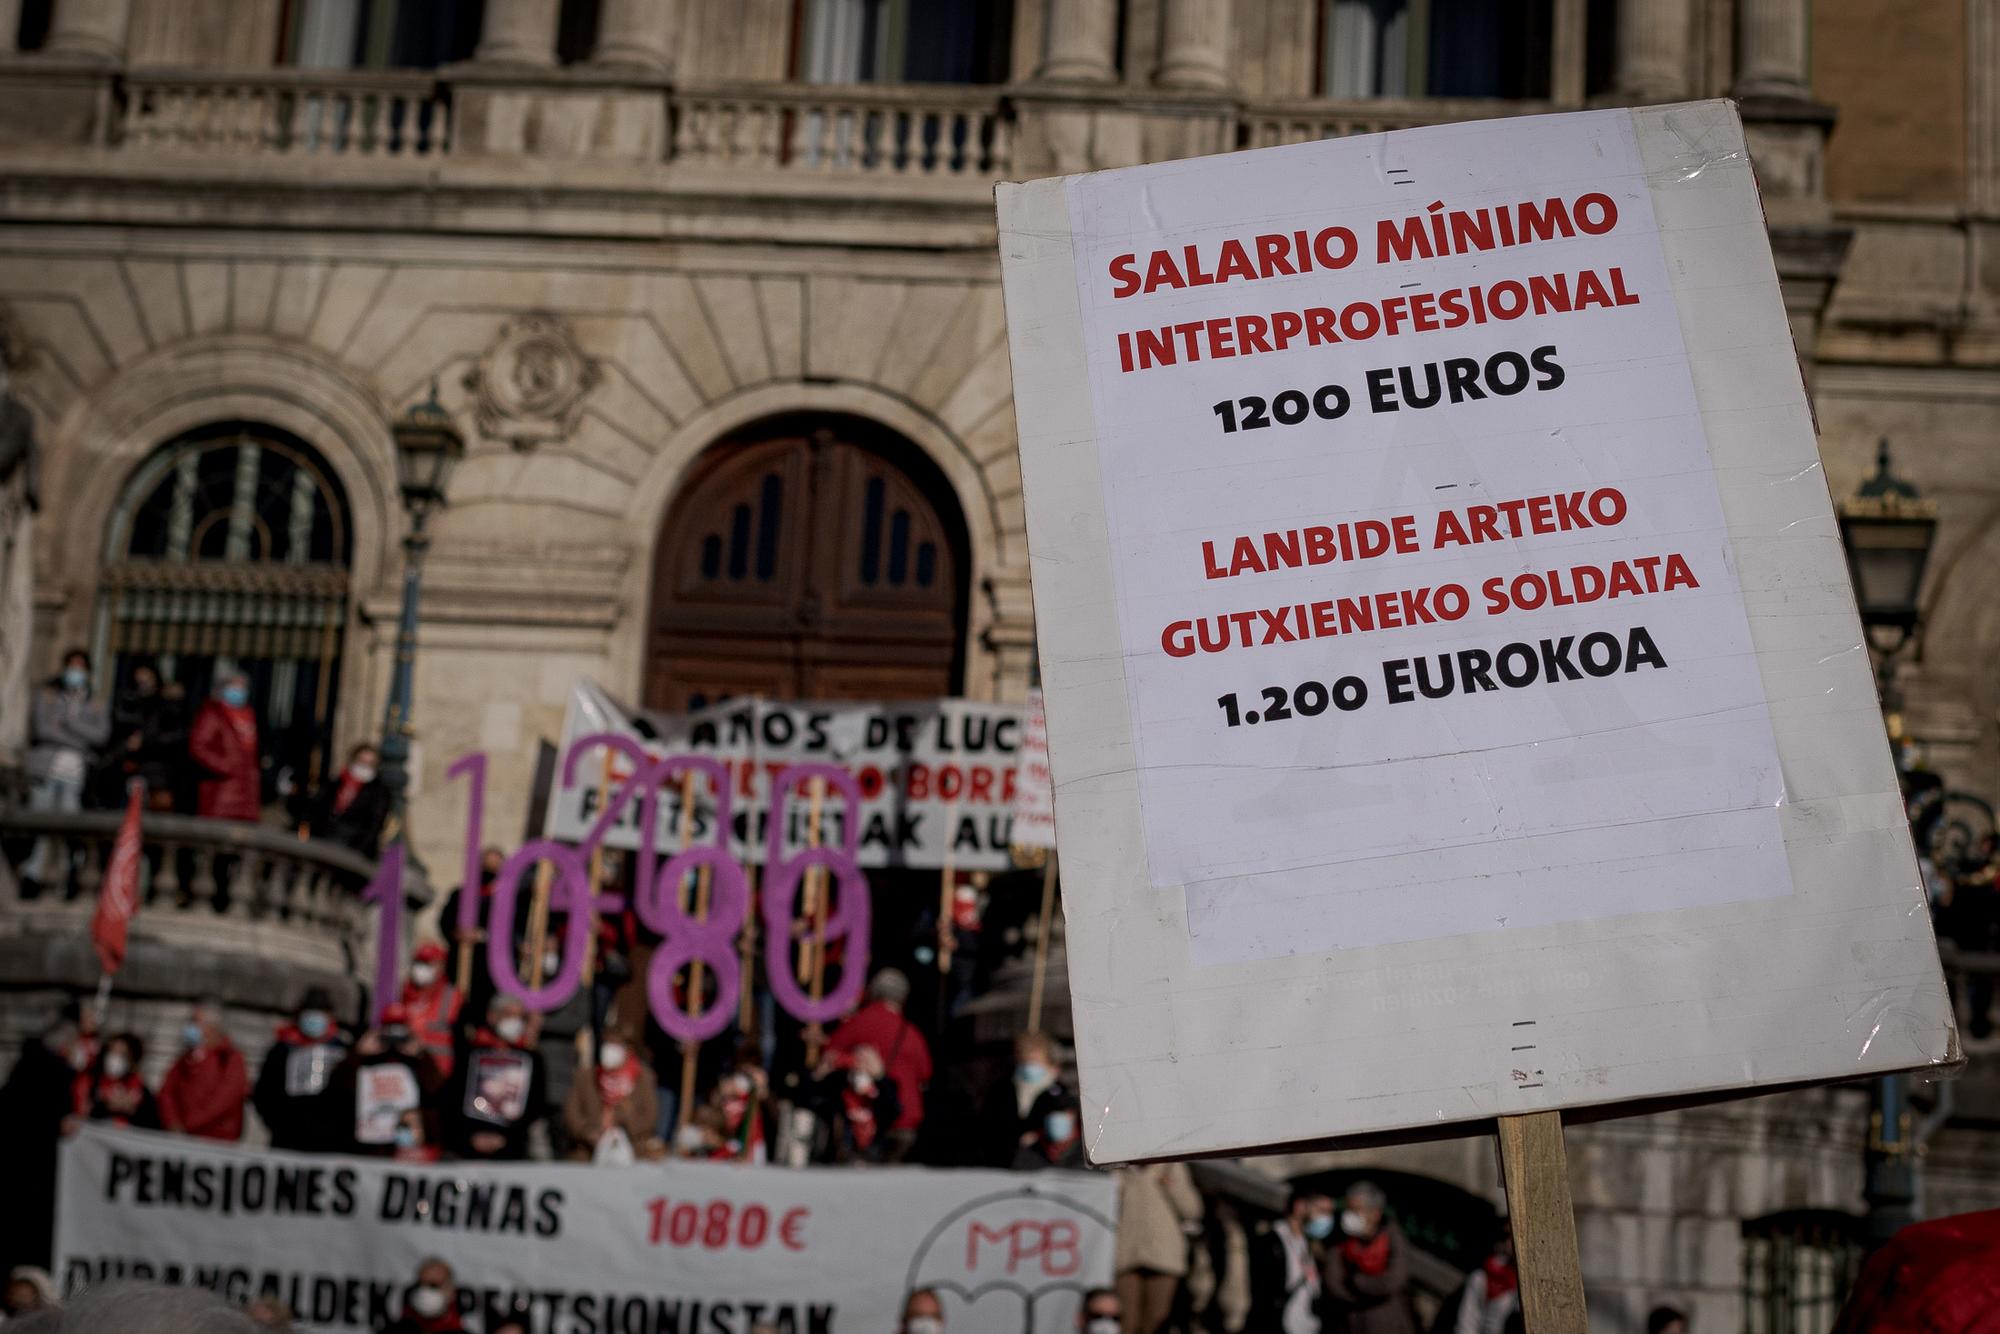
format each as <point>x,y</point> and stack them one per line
<point>229,549</point>
<point>808,557</point>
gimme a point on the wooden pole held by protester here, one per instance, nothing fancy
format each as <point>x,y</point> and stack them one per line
<point>538,924</point>
<point>596,882</point>
<point>746,996</point>
<point>685,834</point>
<point>1035,991</point>
<point>697,979</point>
<point>947,888</point>
<point>815,808</point>
<point>1536,1167</point>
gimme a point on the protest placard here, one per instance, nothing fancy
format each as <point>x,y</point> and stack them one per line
<point>1454,686</point>
<point>654,1248</point>
<point>936,776</point>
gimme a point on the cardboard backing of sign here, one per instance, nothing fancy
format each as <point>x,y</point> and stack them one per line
<point>1455,694</point>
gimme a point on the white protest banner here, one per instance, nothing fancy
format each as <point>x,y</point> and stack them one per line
<point>1034,789</point>
<point>934,774</point>
<point>670,1248</point>
<point>1449,657</point>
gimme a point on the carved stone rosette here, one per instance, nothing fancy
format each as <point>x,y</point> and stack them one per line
<point>529,386</point>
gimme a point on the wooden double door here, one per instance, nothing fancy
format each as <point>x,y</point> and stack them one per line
<point>808,558</point>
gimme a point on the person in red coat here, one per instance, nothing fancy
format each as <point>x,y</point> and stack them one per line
<point>223,745</point>
<point>433,1004</point>
<point>203,1094</point>
<point>899,1047</point>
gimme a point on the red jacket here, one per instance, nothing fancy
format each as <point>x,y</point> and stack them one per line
<point>433,1013</point>
<point>902,1048</point>
<point>203,1094</point>
<point>224,744</point>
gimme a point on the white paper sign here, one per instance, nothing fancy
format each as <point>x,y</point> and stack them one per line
<point>713,1247</point>
<point>936,775</point>
<point>1432,570</point>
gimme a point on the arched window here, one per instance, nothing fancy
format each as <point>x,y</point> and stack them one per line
<point>229,550</point>
<point>1435,48</point>
<point>905,41</point>
<point>808,558</point>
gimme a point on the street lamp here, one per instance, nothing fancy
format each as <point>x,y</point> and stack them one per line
<point>428,445</point>
<point>1888,530</point>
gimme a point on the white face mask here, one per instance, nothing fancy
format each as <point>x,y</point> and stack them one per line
<point>862,1082</point>
<point>1353,1223</point>
<point>511,1028</point>
<point>1104,1324</point>
<point>612,1055</point>
<point>429,1302</point>
<point>923,1324</point>
<point>423,974</point>
<point>362,773</point>
<point>117,1064</point>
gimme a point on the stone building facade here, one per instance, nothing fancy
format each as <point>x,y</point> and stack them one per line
<point>639,248</point>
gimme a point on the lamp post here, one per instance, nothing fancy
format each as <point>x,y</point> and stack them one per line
<point>427,447</point>
<point>1888,529</point>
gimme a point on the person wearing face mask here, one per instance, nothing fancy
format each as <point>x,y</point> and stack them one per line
<point>223,744</point>
<point>291,1090</point>
<point>37,1099</point>
<point>499,1088</point>
<point>612,1109</point>
<point>148,738</point>
<point>431,1304</point>
<point>1367,1273</point>
<point>471,943</point>
<point>1005,1119</point>
<point>67,729</point>
<point>433,1004</point>
<point>1284,1275</point>
<point>1058,1137</point>
<point>388,1076</point>
<point>1157,1206</point>
<point>904,1055</point>
<point>1490,1295</point>
<point>353,804</point>
<point>114,1092</point>
<point>204,1092</point>
<point>923,1313</point>
<point>413,1140</point>
<point>1101,1312</point>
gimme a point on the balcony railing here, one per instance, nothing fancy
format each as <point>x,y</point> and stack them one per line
<point>320,113</point>
<point>877,130</point>
<point>211,884</point>
<point>1266,124</point>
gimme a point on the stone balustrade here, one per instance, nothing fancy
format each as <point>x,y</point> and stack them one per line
<point>882,130</point>
<point>324,113</point>
<point>1266,124</point>
<point>211,885</point>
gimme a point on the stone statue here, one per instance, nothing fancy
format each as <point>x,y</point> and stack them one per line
<point>19,499</point>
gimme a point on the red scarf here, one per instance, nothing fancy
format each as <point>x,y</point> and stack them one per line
<point>614,1086</point>
<point>1366,1257</point>
<point>349,789</point>
<point>1501,1278</point>
<point>131,1086</point>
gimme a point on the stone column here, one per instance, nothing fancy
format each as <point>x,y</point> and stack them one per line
<point>10,26</point>
<point>1194,45</point>
<point>1652,50</point>
<point>91,30</point>
<point>1083,36</point>
<point>1771,49</point>
<point>519,32</point>
<point>635,32</point>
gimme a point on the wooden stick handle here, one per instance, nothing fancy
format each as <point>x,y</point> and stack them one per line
<point>746,1009</point>
<point>538,924</point>
<point>1536,1165</point>
<point>816,878</point>
<point>1035,991</point>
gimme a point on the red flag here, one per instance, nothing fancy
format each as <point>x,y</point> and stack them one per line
<point>118,897</point>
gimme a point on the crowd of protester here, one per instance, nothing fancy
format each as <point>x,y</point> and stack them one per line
<point>211,761</point>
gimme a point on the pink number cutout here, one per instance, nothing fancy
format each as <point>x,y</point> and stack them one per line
<point>849,917</point>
